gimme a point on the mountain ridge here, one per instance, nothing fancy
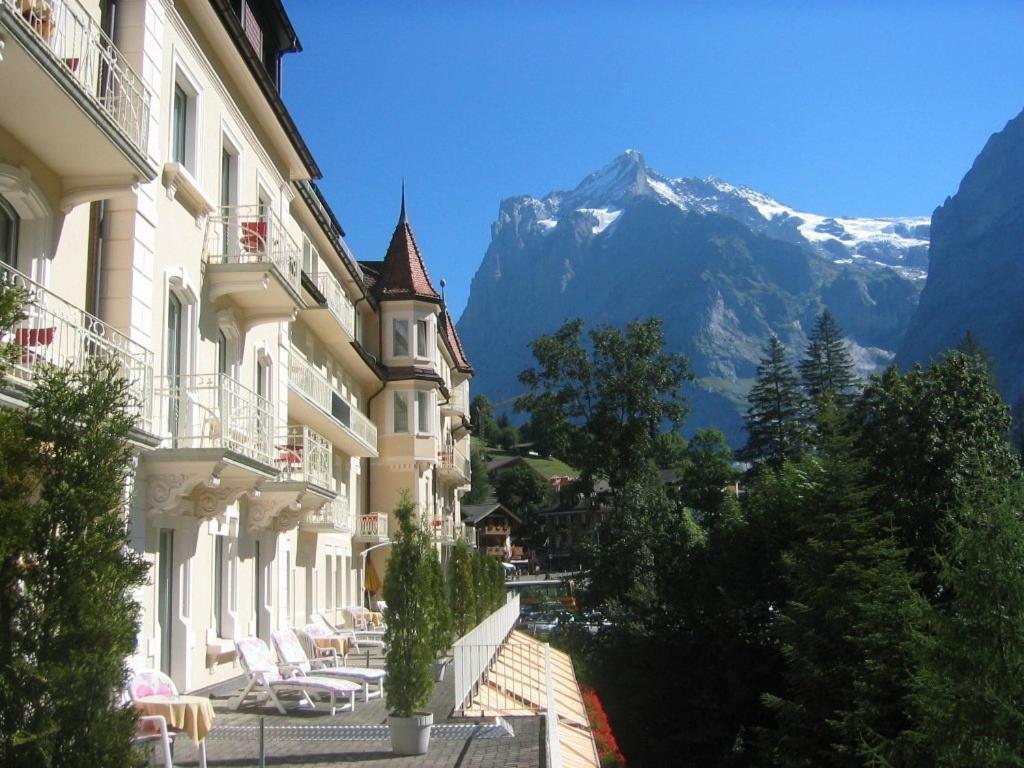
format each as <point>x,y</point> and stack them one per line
<point>724,266</point>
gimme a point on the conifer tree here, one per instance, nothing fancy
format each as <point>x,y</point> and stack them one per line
<point>844,631</point>
<point>970,690</point>
<point>932,438</point>
<point>775,415</point>
<point>68,619</point>
<point>827,367</point>
<point>462,591</point>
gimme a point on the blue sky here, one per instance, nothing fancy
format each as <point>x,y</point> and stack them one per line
<point>841,108</point>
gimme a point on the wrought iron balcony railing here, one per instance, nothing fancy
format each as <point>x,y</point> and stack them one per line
<point>252,234</point>
<point>55,332</point>
<point>316,388</point>
<point>304,455</point>
<point>337,301</point>
<point>76,43</point>
<point>335,517</point>
<point>216,411</point>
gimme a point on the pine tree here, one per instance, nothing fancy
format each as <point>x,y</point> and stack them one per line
<point>776,411</point>
<point>970,690</point>
<point>827,367</point>
<point>844,631</point>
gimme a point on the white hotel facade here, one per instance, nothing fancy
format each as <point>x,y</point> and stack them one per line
<point>159,204</point>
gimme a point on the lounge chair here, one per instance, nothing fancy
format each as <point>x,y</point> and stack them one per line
<point>359,618</point>
<point>359,641</point>
<point>265,676</point>
<point>292,655</point>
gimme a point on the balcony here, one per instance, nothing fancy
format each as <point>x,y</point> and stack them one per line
<point>55,332</point>
<point>253,262</point>
<point>442,530</point>
<point>371,528</point>
<point>499,552</point>
<point>456,405</point>
<point>218,444</point>
<point>453,465</point>
<point>312,400</point>
<point>80,107</point>
<point>303,485</point>
<point>332,317</point>
<point>497,530</point>
<point>333,517</point>
<point>304,456</point>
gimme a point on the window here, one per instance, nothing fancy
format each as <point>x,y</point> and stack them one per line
<point>421,338</point>
<point>401,413</point>
<point>179,125</point>
<point>8,234</point>
<point>400,338</point>
<point>310,258</point>
<point>218,584</point>
<point>222,352</point>
<point>423,412</point>
<point>328,582</point>
<point>339,582</point>
<point>183,122</point>
<point>165,597</point>
<point>257,587</point>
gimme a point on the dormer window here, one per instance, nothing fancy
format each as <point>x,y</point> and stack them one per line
<point>400,338</point>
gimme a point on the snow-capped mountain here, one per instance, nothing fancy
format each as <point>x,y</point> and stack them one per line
<point>900,243</point>
<point>723,266</point>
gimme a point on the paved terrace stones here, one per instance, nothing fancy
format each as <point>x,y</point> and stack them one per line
<point>361,737</point>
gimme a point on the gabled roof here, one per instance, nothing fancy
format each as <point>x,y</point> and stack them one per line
<point>474,513</point>
<point>454,343</point>
<point>403,274</point>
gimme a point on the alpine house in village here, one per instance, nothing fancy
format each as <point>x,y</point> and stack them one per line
<point>158,203</point>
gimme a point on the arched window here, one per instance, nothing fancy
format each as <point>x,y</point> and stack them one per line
<point>8,234</point>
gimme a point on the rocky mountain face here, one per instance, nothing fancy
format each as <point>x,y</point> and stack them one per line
<point>976,278</point>
<point>724,267</point>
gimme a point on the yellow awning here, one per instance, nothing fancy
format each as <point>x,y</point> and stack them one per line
<point>371,581</point>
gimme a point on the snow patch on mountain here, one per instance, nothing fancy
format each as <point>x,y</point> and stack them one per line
<point>896,243</point>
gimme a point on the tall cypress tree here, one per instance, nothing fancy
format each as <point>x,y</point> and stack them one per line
<point>776,411</point>
<point>827,367</point>
<point>844,631</point>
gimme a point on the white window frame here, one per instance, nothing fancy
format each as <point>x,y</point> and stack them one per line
<point>422,326</point>
<point>189,84</point>
<point>395,322</point>
<point>424,412</point>
<point>402,396</point>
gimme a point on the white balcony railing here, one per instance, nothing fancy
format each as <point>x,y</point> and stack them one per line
<point>457,401</point>
<point>55,332</point>
<point>78,45</point>
<point>315,387</point>
<point>304,456</point>
<point>373,526</point>
<point>215,411</point>
<point>337,301</point>
<point>476,650</point>
<point>334,516</point>
<point>252,234</point>
<point>454,459</point>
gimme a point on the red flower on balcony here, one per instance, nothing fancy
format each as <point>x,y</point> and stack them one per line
<point>607,748</point>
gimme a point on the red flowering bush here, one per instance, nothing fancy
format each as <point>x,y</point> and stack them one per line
<point>607,748</point>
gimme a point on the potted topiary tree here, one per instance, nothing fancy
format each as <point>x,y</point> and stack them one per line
<point>442,618</point>
<point>410,634</point>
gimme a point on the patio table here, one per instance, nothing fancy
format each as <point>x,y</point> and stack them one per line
<point>190,714</point>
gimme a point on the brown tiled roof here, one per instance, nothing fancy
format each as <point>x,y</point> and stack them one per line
<point>454,343</point>
<point>403,274</point>
<point>371,272</point>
